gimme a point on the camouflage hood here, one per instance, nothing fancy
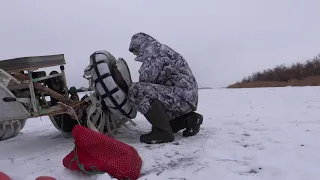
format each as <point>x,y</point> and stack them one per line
<point>144,45</point>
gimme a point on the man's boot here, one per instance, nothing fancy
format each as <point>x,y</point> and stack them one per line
<point>191,122</point>
<point>161,130</point>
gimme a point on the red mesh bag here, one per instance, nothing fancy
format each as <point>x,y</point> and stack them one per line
<point>95,153</point>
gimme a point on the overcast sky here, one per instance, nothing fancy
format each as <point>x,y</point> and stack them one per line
<point>222,40</point>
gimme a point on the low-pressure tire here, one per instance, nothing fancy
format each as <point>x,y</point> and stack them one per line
<point>63,122</point>
<point>10,129</point>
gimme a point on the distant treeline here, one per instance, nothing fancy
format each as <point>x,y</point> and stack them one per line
<point>282,73</point>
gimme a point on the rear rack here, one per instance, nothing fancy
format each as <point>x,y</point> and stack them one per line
<point>31,63</point>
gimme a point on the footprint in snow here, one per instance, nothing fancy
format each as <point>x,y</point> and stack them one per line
<point>251,171</point>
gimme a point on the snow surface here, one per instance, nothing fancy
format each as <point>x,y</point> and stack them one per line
<point>265,133</point>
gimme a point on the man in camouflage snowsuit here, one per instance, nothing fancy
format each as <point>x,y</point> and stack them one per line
<point>167,91</point>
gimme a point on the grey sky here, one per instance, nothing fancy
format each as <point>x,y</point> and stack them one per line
<point>222,40</point>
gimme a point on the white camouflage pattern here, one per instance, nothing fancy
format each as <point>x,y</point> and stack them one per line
<point>164,75</point>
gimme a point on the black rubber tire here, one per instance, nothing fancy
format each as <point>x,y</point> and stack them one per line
<point>10,129</point>
<point>63,122</point>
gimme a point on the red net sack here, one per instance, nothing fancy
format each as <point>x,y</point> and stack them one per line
<point>95,153</point>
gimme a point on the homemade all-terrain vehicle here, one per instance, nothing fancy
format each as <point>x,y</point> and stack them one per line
<point>28,92</point>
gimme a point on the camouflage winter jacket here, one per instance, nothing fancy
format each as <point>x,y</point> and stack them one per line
<point>162,65</point>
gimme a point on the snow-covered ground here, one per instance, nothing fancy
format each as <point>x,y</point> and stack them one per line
<point>266,133</point>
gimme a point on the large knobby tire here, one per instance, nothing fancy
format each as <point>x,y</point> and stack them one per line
<point>10,129</point>
<point>63,122</point>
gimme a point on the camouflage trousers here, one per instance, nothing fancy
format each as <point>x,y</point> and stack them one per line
<point>141,93</point>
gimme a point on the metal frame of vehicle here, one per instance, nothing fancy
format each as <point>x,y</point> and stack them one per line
<point>23,91</point>
<point>16,79</point>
